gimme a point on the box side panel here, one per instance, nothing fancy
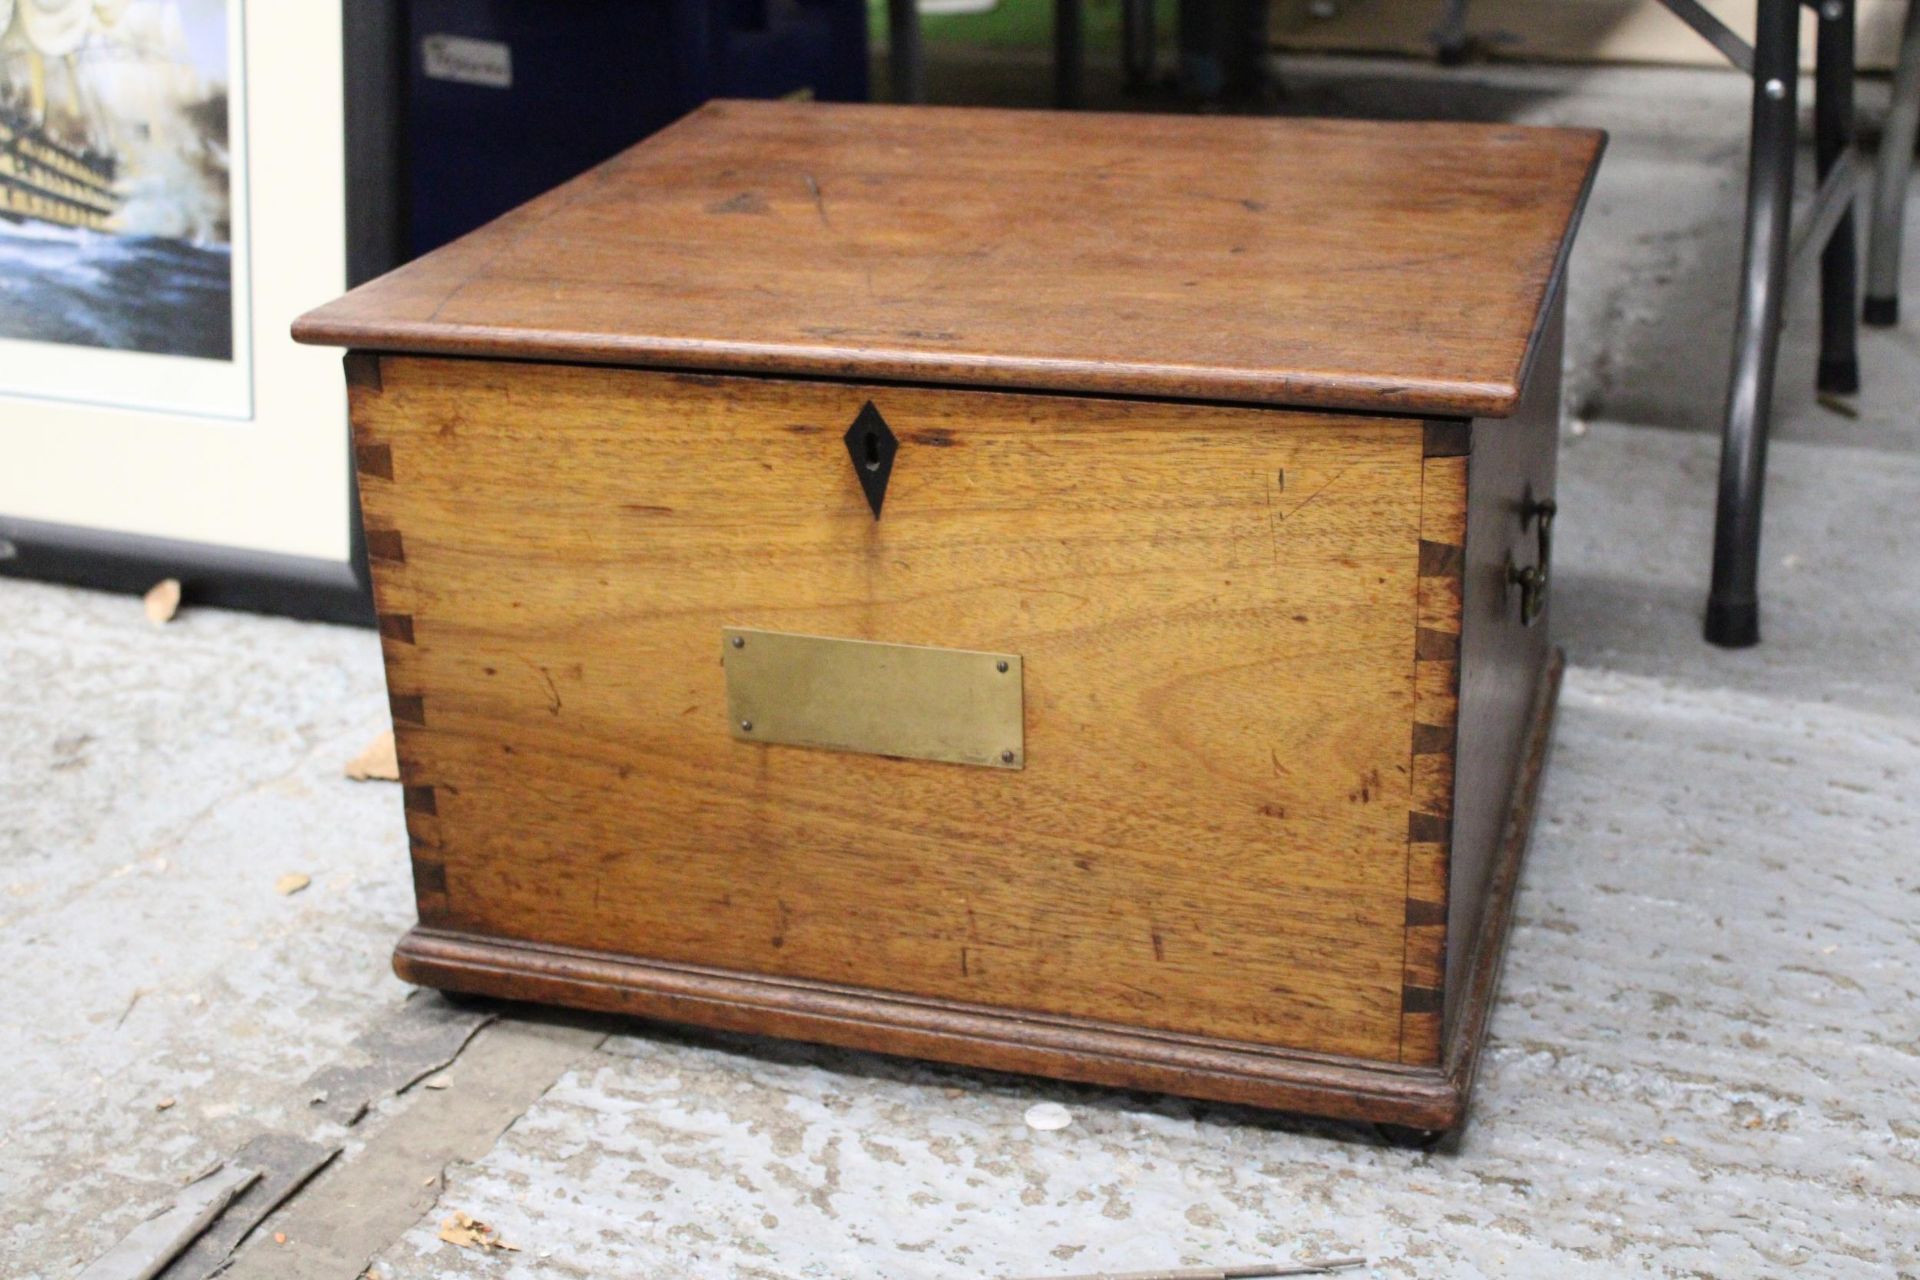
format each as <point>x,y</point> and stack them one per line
<point>1436,683</point>
<point>392,594</point>
<point>1208,835</point>
<point>1511,467</point>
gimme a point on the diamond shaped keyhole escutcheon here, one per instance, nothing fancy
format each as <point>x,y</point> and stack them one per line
<point>871,445</point>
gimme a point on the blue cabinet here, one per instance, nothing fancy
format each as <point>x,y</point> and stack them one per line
<point>509,98</point>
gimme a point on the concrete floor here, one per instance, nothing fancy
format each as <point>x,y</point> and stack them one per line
<point>1705,1062</point>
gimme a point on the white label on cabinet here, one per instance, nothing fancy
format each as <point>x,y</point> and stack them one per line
<point>465,60</point>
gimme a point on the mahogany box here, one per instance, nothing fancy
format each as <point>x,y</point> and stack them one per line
<point>1059,593</point>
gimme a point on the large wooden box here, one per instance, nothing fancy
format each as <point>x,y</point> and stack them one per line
<point>1226,447</point>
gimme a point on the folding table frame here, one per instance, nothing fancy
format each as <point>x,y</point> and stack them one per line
<point>1775,248</point>
<point>1894,173</point>
<point>1774,245</point>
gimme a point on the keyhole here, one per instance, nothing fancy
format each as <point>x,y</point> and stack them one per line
<point>870,449</point>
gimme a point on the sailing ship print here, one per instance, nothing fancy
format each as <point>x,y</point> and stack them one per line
<point>115,191</point>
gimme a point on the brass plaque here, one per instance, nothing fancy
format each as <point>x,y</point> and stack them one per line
<point>907,700</point>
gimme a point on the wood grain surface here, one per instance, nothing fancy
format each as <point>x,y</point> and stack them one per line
<point>1429,1097</point>
<point>1399,268</point>
<point>1216,610</point>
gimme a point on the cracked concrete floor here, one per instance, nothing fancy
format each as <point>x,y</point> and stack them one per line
<point>1705,1062</point>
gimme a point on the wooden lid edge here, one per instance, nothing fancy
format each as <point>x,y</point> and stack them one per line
<point>1556,280</point>
<point>1321,390</point>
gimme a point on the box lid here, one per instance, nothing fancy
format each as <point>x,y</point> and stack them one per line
<point>1386,267</point>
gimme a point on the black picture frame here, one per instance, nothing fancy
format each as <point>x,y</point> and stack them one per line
<point>234,578</point>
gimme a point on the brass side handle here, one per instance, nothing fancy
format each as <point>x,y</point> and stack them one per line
<point>1534,579</point>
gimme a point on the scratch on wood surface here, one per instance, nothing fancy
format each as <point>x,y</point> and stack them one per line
<point>1273,517</point>
<point>819,200</point>
<point>750,202</point>
<point>553,690</point>
<point>1314,496</point>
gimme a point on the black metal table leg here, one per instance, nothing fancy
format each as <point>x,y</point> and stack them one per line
<point>1891,179</point>
<point>1450,36</point>
<point>1733,605</point>
<point>1839,260</point>
<point>906,67</point>
<point>1069,53</point>
<point>1137,51</point>
<point>1244,53</point>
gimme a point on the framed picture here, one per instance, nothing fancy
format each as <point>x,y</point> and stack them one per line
<point>179,179</point>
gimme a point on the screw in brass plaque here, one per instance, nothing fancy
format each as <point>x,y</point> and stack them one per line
<point>871,445</point>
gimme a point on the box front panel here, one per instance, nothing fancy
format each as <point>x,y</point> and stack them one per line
<point>1214,611</point>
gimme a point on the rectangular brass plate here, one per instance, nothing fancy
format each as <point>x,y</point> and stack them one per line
<point>955,705</point>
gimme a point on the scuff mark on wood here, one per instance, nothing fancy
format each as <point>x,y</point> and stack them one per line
<point>750,202</point>
<point>553,690</point>
<point>819,200</point>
